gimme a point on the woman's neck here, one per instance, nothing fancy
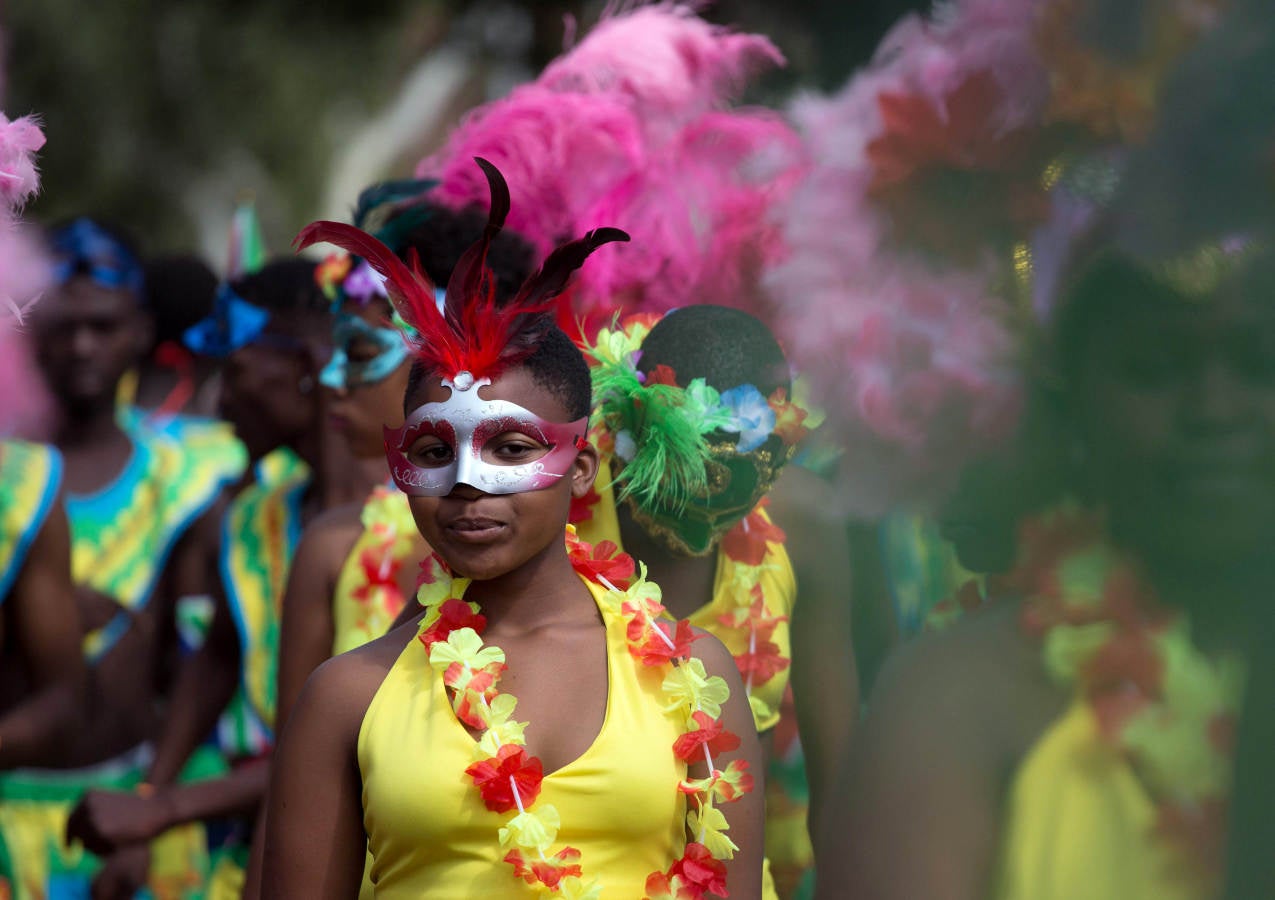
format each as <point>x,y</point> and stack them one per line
<point>542,591</point>
<point>687,582</point>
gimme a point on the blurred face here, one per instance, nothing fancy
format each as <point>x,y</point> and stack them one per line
<point>482,535</point>
<point>1175,401</point>
<point>269,394</point>
<point>87,337</point>
<point>366,378</point>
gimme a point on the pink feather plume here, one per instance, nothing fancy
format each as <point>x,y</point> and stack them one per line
<point>24,274</point>
<point>913,356</point>
<point>632,126</point>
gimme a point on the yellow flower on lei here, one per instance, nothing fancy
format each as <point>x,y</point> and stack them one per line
<point>689,687</point>
<point>501,728</point>
<point>574,888</point>
<point>464,646</point>
<point>532,831</point>
<point>709,827</point>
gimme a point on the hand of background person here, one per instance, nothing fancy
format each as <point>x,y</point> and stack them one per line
<point>106,820</point>
<point>123,874</point>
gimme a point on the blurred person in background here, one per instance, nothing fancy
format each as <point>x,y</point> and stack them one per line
<point>135,503</point>
<point>272,328</point>
<point>1067,740</point>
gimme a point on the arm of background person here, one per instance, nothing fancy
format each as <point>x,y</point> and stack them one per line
<point>916,809</point>
<point>43,615</point>
<point>306,635</point>
<point>315,844</point>
<point>206,681</point>
<point>825,679</point>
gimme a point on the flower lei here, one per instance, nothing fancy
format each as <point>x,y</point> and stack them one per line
<point>509,779</point>
<point>1167,708</point>
<point>388,524</point>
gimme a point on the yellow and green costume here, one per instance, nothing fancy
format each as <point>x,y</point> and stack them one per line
<point>30,477</point>
<point>260,533</point>
<point>121,537</point>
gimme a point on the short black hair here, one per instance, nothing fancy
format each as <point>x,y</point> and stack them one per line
<point>445,234</point>
<point>179,292</point>
<point>283,285</point>
<point>557,365</point>
<point>724,346</point>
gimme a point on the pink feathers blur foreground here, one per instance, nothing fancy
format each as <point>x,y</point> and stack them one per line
<point>24,274</point>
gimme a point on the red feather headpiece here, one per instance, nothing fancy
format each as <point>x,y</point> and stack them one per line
<point>473,333</point>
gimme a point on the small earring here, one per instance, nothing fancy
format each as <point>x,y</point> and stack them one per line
<point>306,385</point>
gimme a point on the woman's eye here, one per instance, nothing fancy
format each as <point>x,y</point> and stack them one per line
<point>432,453</point>
<point>515,449</point>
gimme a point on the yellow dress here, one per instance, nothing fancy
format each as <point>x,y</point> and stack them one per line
<point>367,598</point>
<point>430,834</point>
<point>1079,824</point>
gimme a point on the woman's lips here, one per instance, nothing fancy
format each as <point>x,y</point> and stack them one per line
<point>475,529</point>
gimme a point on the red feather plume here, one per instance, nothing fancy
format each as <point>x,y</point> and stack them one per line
<point>473,333</point>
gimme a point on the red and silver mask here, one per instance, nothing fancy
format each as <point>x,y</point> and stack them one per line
<point>463,426</point>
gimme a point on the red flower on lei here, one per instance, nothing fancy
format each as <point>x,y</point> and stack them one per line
<point>605,561</point>
<point>549,872</point>
<point>709,732</point>
<point>697,873</point>
<point>453,614</point>
<point>746,542</point>
<point>651,649</point>
<point>496,776</point>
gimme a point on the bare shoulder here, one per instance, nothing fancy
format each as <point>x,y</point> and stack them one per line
<point>346,683</point>
<point>713,654</point>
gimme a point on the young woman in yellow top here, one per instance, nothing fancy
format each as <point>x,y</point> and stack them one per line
<point>1070,739</point>
<point>413,741</point>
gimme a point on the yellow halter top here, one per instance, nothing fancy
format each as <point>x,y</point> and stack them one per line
<point>732,593</point>
<point>1079,823</point>
<point>431,836</point>
<point>367,599</point>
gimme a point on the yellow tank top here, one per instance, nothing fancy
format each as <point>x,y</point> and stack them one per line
<point>1080,824</point>
<point>367,597</point>
<point>430,834</point>
<point>732,591</point>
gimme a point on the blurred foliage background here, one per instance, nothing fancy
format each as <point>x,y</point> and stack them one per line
<point>161,116</point>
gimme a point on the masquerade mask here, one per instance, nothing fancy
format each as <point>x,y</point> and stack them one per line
<point>341,372</point>
<point>84,248</point>
<point>463,426</point>
<point>736,483</point>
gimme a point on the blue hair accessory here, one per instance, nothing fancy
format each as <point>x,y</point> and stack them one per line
<point>340,373</point>
<point>234,323</point>
<point>85,248</point>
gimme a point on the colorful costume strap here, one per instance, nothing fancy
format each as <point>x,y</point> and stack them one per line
<point>121,535</point>
<point>259,536</point>
<point>30,476</point>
